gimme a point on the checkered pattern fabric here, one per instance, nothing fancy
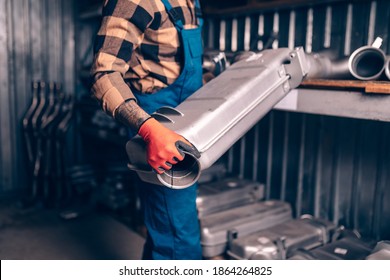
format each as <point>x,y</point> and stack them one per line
<point>137,45</point>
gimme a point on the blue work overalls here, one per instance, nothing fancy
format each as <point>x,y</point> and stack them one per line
<point>171,215</point>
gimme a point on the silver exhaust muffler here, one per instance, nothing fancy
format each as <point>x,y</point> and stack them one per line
<point>221,112</point>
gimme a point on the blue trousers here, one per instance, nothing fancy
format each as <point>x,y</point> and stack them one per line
<point>172,223</point>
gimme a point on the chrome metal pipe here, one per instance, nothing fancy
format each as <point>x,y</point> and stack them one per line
<point>221,112</point>
<point>216,62</point>
<point>387,67</point>
<point>367,63</point>
<point>323,65</point>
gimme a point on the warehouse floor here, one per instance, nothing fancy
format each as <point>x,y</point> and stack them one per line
<point>43,234</point>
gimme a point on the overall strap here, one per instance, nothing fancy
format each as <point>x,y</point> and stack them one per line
<point>198,13</point>
<point>173,14</point>
<point>175,17</point>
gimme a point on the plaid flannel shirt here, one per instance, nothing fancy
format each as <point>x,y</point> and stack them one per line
<point>137,45</point>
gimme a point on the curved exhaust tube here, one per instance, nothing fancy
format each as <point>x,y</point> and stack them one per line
<point>366,63</point>
<point>387,67</point>
<point>216,62</point>
<point>323,66</point>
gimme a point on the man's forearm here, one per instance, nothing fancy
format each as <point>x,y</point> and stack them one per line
<point>130,114</point>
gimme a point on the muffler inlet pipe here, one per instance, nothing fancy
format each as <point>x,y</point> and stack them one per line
<point>322,66</point>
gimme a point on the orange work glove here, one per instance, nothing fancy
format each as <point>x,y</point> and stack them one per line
<point>164,146</point>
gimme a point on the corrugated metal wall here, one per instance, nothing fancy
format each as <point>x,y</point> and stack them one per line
<point>36,43</point>
<point>343,26</point>
<point>331,167</point>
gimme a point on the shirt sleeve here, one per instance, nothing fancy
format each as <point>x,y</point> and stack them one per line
<point>123,25</point>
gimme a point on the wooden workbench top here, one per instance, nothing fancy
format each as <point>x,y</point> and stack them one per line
<point>381,87</point>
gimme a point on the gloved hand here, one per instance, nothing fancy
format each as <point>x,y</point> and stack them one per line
<point>164,146</point>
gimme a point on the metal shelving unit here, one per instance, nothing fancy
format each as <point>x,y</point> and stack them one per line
<point>339,103</point>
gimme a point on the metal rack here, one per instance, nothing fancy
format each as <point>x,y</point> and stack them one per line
<point>340,103</point>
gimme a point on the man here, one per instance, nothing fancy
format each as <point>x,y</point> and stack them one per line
<point>148,55</point>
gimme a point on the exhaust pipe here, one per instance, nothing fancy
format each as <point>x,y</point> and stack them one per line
<point>322,65</point>
<point>221,112</point>
<point>216,62</point>
<point>387,67</point>
<point>366,63</point>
